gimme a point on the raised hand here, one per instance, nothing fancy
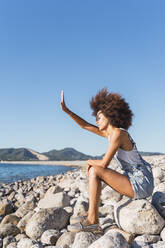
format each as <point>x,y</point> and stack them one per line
<point>62,103</point>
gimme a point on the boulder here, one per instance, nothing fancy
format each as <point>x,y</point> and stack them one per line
<point>6,208</point>
<point>27,243</point>
<point>107,209</point>
<point>158,201</point>
<point>12,245</point>
<point>147,239</point>
<point>58,200</point>
<point>66,238</point>
<point>20,236</point>
<point>7,240</point>
<point>53,218</point>
<point>160,244</point>
<point>162,234</point>
<point>25,208</point>
<point>50,237</point>
<point>160,187</point>
<point>8,229</point>
<point>22,223</point>
<point>112,240</point>
<point>11,218</point>
<point>143,217</point>
<point>1,243</point>
<point>83,239</point>
<point>128,236</point>
<point>110,196</point>
<point>81,207</point>
<point>54,189</point>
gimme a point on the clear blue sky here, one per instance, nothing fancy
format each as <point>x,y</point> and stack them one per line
<point>80,47</point>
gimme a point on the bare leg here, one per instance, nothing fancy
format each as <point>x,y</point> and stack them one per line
<point>94,196</point>
<point>115,180</point>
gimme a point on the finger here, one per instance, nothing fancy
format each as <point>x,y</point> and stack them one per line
<point>62,96</point>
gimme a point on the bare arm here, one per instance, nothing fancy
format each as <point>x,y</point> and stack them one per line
<point>81,122</point>
<point>113,147</point>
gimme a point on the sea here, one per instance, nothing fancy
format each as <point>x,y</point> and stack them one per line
<point>10,173</point>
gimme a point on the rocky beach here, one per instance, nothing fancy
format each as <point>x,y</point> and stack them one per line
<point>37,213</point>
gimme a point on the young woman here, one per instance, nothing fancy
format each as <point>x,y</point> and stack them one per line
<point>113,118</point>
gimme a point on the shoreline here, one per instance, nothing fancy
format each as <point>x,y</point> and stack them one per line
<point>78,163</point>
<point>75,163</point>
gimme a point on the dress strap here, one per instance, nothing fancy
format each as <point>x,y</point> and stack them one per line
<point>131,139</point>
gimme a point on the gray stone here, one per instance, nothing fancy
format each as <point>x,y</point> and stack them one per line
<point>58,200</point>
<point>20,236</point>
<point>81,207</point>
<point>26,243</point>
<point>110,241</point>
<point>7,240</point>
<point>45,219</point>
<point>6,208</point>
<point>145,219</point>
<point>160,187</point>
<point>83,239</point>
<point>106,220</point>
<point>160,244</point>
<point>158,200</point>
<point>1,243</point>
<point>162,234</point>
<point>147,239</point>
<point>22,223</point>
<point>158,173</point>
<point>109,195</point>
<point>25,208</point>
<point>53,190</point>
<point>12,245</point>
<point>128,236</point>
<point>68,210</point>
<point>11,218</point>
<point>107,209</point>
<point>20,198</point>
<point>66,238</point>
<point>8,229</point>
<point>140,244</point>
<point>50,237</point>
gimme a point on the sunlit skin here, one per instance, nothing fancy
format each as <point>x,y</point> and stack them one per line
<point>97,170</point>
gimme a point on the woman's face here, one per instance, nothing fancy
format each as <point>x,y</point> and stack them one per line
<point>102,121</point>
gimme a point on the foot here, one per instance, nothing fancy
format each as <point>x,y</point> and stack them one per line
<point>85,226</point>
<point>77,219</point>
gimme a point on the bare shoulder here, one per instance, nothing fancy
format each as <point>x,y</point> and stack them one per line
<point>117,135</point>
<point>117,132</point>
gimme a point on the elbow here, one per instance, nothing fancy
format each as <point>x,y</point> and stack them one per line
<point>104,165</point>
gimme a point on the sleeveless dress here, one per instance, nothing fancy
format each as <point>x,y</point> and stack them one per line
<point>137,170</point>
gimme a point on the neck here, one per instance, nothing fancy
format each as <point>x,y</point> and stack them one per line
<point>110,130</point>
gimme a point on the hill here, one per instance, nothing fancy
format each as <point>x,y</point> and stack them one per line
<point>20,154</point>
<point>70,154</point>
<point>16,154</point>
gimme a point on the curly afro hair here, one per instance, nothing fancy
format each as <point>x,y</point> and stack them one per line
<point>114,107</point>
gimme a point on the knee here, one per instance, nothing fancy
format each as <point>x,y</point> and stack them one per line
<point>95,171</point>
<point>92,172</point>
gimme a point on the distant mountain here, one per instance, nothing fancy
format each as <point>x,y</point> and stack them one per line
<point>20,154</point>
<point>150,153</point>
<point>67,154</point>
<point>17,154</point>
<point>24,154</point>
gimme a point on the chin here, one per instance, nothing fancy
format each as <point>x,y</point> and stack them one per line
<point>101,129</point>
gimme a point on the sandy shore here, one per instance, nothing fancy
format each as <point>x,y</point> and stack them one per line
<point>77,163</point>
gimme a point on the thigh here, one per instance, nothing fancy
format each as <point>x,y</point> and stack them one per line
<point>115,180</point>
